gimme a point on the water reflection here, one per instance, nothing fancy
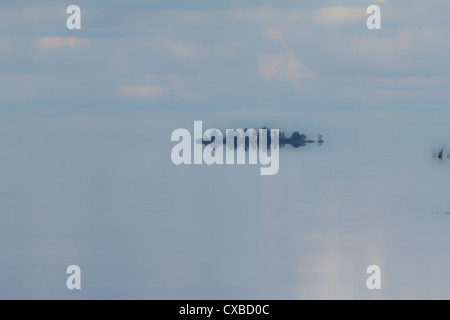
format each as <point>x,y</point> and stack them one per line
<point>110,200</point>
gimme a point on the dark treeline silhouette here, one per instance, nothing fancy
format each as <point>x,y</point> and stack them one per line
<point>296,140</point>
<point>439,153</point>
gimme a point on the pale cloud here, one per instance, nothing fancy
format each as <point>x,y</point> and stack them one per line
<point>6,45</point>
<point>283,65</point>
<point>143,92</point>
<point>180,48</point>
<point>157,86</point>
<point>292,67</point>
<point>340,15</point>
<point>269,64</point>
<point>383,114</point>
<point>45,43</point>
<point>179,87</point>
<point>21,87</point>
<point>151,76</point>
<point>273,34</point>
<point>411,83</point>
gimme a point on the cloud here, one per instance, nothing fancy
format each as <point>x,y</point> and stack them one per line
<point>284,65</point>
<point>340,15</point>
<point>6,45</point>
<point>179,87</point>
<point>269,64</point>
<point>292,67</point>
<point>410,83</point>
<point>179,48</point>
<point>45,43</point>
<point>273,34</point>
<point>21,87</point>
<point>151,76</point>
<point>143,92</point>
<point>242,53</point>
<point>382,114</point>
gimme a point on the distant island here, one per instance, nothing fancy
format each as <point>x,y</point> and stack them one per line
<point>296,140</point>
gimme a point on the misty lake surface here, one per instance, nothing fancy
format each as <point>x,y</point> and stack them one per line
<point>101,192</point>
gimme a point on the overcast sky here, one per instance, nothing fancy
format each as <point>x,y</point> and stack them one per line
<point>86,118</point>
<point>261,55</point>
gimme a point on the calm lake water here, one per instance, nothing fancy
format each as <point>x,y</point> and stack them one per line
<point>100,191</point>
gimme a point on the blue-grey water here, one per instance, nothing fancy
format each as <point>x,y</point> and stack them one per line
<point>100,191</point>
